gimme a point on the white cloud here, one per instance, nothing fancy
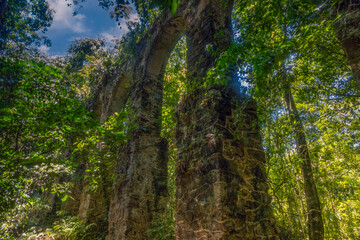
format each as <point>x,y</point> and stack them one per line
<point>117,31</point>
<point>44,49</point>
<point>114,33</point>
<point>107,36</point>
<point>64,19</point>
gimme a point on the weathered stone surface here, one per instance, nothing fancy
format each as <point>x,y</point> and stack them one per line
<point>140,194</point>
<point>90,206</point>
<point>111,93</point>
<point>221,190</point>
<point>84,203</point>
<point>221,180</point>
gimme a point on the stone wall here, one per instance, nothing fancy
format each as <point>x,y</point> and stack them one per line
<point>221,185</point>
<point>221,190</point>
<point>140,187</point>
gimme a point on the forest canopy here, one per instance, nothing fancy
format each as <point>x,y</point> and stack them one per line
<point>206,120</point>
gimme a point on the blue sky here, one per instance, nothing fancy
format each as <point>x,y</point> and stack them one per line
<point>91,21</point>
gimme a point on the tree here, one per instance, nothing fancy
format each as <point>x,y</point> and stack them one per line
<point>80,49</point>
<point>273,48</point>
<point>187,160</point>
<point>20,21</point>
<point>314,218</point>
<point>37,128</point>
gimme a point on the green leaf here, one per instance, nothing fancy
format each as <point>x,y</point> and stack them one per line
<point>174,6</point>
<point>64,198</point>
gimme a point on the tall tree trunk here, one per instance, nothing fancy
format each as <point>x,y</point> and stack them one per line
<point>348,32</point>
<point>314,218</point>
<point>221,190</point>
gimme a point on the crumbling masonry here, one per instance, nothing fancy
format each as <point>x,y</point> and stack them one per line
<point>221,190</point>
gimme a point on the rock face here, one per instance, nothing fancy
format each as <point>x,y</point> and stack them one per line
<point>221,179</point>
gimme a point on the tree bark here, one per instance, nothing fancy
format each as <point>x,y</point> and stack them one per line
<point>314,218</point>
<point>221,190</point>
<point>347,29</point>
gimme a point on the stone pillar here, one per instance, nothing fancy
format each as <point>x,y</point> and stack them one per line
<point>221,190</point>
<point>140,188</point>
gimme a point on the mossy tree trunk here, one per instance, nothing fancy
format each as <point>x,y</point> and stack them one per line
<point>314,219</point>
<point>221,190</point>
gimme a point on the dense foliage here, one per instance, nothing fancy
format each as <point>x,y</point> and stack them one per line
<point>51,143</point>
<point>21,21</point>
<point>290,46</point>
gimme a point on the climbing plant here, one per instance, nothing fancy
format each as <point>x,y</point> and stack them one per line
<point>51,144</point>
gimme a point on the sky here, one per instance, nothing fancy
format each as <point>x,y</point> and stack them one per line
<point>91,21</point>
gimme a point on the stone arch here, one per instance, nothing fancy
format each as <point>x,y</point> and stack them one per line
<point>140,190</point>
<point>151,57</point>
<point>163,45</point>
<point>111,96</point>
<point>228,197</point>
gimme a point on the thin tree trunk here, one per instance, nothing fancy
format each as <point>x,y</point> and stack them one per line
<point>297,192</point>
<point>314,218</point>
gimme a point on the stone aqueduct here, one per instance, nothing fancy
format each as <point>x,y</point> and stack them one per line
<point>221,190</point>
